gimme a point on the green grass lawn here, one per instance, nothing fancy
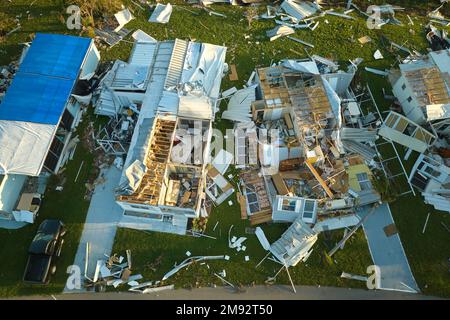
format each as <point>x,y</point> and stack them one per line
<point>69,206</point>
<point>337,39</point>
<point>147,247</point>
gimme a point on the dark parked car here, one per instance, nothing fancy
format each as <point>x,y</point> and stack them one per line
<point>44,249</point>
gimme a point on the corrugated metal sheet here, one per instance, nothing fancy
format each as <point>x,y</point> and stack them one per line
<point>239,106</point>
<point>108,104</point>
<point>358,134</point>
<point>143,53</point>
<point>366,152</point>
<point>176,63</point>
<point>128,76</point>
<point>441,59</point>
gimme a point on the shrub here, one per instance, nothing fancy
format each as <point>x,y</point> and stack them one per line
<point>384,187</point>
<point>92,9</point>
<point>6,24</point>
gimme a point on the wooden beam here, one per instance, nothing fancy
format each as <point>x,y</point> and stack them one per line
<point>319,179</point>
<point>243,205</point>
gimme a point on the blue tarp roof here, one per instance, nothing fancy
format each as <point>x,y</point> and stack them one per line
<point>35,99</point>
<point>45,79</point>
<point>55,55</point>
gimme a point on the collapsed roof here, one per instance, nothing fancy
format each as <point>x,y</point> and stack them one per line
<point>422,86</point>
<point>183,87</point>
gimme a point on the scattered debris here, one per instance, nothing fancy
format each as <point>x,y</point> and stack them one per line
<point>279,31</point>
<point>161,14</point>
<point>342,15</point>
<point>364,40</point>
<point>141,36</point>
<point>301,41</point>
<point>262,238</point>
<point>111,37</point>
<point>438,39</point>
<point>239,106</point>
<point>349,234</point>
<point>225,281</point>
<point>149,287</point>
<point>233,74</point>
<point>377,55</point>
<point>445,226</point>
<point>218,189</point>
<point>112,272</point>
<point>123,17</point>
<point>402,48</point>
<point>378,72</point>
<point>299,10</point>
<point>188,262</point>
<point>353,277</point>
<point>79,170</point>
<point>426,222</point>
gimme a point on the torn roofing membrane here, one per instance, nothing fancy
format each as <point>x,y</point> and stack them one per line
<point>18,141</point>
<point>161,14</point>
<point>204,63</point>
<point>301,66</point>
<point>195,96</point>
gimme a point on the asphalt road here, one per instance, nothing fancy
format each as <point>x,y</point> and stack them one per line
<point>253,293</point>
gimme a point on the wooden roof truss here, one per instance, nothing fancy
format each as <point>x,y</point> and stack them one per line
<point>156,162</point>
<point>429,85</point>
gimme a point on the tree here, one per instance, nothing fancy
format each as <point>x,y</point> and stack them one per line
<point>6,24</point>
<point>251,14</point>
<point>91,9</point>
<point>384,187</point>
<point>199,224</point>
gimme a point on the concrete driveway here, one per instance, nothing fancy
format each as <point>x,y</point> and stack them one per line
<point>387,251</point>
<point>101,222</point>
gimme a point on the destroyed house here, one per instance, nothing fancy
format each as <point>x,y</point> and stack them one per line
<point>162,185</point>
<point>305,102</point>
<point>315,169</point>
<point>431,176</point>
<point>315,165</point>
<point>287,209</point>
<point>295,244</point>
<point>40,110</point>
<point>257,203</point>
<point>422,89</point>
<point>402,130</point>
